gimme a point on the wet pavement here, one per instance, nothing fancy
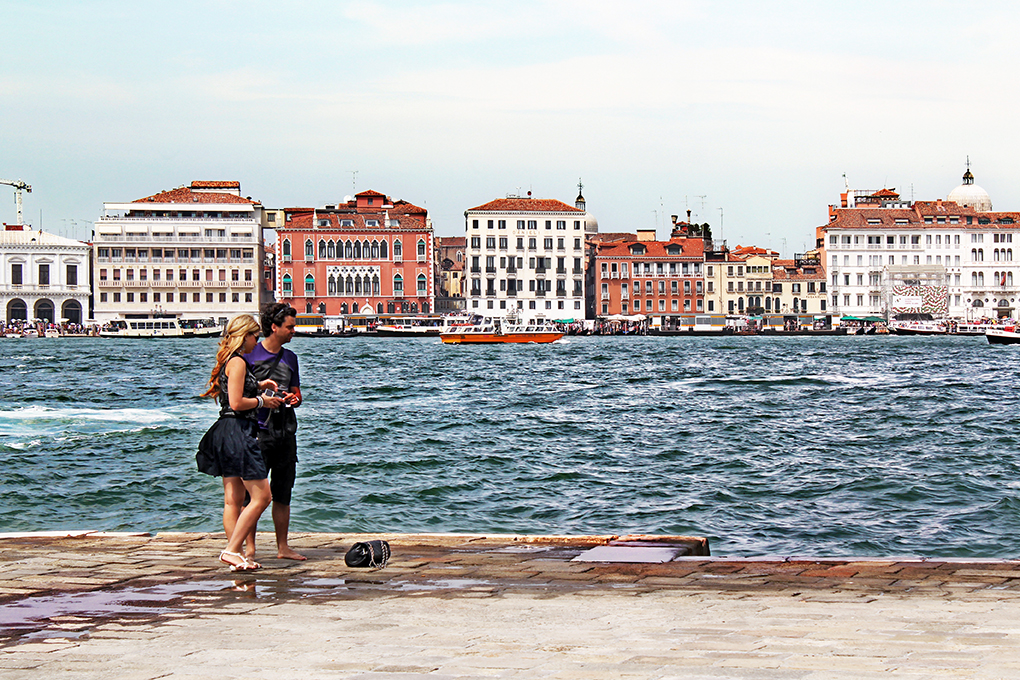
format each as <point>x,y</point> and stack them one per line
<point>460,606</point>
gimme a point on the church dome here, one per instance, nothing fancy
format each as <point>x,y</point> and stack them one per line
<point>591,225</point>
<point>971,194</point>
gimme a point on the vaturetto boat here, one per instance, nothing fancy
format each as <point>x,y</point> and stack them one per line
<point>1005,335</point>
<point>494,330</point>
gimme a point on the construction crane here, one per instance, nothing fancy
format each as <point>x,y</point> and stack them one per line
<point>19,186</point>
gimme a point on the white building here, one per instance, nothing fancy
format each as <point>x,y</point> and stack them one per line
<point>888,256</point>
<point>44,276</point>
<point>528,254</point>
<point>191,252</point>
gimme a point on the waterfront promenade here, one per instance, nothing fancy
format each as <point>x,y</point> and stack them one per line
<point>466,606</point>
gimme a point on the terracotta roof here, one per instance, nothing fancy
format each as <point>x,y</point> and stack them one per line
<point>787,270</point>
<point>186,195</point>
<point>747,251</point>
<point>887,193</point>
<point>215,185</point>
<point>605,237</point>
<point>913,217</point>
<point>526,205</point>
<point>451,241</point>
<point>689,248</point>
<point>370,192</point>
<point>405,208</point>
<point>307,220</point>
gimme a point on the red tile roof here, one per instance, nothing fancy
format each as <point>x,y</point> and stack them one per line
<point>370,192</point>
<point>187,195</point>
<point>747,251</point>
<point>689,248</point>
<point>527,205</point>
<point>306,219</point>
<point>215,185</point>
<point>604,237</point>
<point>787,270</point>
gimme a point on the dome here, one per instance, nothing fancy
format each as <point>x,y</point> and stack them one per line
<point>971,194</point>
<point>591,225</point>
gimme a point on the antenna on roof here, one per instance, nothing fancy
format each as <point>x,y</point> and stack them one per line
<point>354,180</point>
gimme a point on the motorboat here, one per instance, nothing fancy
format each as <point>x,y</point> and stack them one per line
<point>1005,335</point>
<point>496,330</point>
<point>919,327</point>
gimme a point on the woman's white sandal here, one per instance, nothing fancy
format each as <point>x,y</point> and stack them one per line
<point>245,565</point>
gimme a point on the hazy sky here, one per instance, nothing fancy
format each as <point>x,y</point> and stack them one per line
<point>755,108</point>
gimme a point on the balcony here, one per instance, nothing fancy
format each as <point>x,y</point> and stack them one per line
<point>476,270</point>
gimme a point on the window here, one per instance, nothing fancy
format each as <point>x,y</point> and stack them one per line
<point>16,276</point>
<point>44,275</point>
<point>309,249</point>
<point>72,275</point>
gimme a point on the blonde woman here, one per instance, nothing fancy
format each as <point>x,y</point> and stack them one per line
<point>230,448</point>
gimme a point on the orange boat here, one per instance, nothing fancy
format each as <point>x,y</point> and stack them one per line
<point>490,331</point>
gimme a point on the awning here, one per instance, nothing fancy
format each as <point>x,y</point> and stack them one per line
<point>564,321</point>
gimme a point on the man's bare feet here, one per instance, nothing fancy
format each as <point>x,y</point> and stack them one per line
<point>289,554</point>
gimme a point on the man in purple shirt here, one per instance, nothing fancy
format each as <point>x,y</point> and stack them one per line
<point>277,439</point>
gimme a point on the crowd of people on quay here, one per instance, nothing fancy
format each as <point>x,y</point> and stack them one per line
<point>40,328</point>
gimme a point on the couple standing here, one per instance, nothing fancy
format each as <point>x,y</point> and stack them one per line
<point>253,444</point>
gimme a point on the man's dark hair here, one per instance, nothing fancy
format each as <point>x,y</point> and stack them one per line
<point>275,313</point>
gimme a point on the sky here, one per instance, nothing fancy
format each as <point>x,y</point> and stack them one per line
<point>753,115</point>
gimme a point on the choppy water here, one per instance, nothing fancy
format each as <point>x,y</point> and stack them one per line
<point>806,446</point>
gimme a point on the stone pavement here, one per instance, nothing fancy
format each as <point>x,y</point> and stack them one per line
<point>459,606</point>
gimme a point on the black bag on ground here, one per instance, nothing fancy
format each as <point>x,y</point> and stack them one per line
<point>373,554</point>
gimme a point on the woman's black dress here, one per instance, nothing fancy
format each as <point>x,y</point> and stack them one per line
<point>231,448</point>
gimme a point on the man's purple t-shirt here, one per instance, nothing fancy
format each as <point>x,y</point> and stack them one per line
<point>285,372</point>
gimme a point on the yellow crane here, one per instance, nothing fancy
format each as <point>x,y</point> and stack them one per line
<point>19,186</point>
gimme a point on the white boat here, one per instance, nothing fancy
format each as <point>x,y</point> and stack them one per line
<point>1004,335</point>
<point>510,329</point>
<point>162,328</point>
<point>30,333</point>
<point>421,326</point>
<point>52,333</point>
<point>919,327</point>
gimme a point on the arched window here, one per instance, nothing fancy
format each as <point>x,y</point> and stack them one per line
<point>414,307</point>
<point>350,286</point>
<point>1009,254</point>
<point>357,250</point>
<point>390,308</point>
<point>768,304</point>
<point>425,308</point>
<point>740,304</point>
<point>375,285</point>
<point>375,250</point>
<point>366,249</point>
<point>309,285</point>
<point>973,279</point>
<point>354,308</point>
<point>382,250</point>
<point>322,249</point>
<point>421,248</point>
<point>378,308</point>
<point>348,250</point>
<point>398,249</point>
<point>398,285</point>
<point>981,278</point>
<point>978,303</point>
<point>357,285</point>
<point>973,254</point>
<point>460,256</point>
<point>1009,280</point>
<point>331,285</point>
<point>288,285</point>
<point>331,250</point>
<point>343,307</point>
<point>981,255</point>
<point>286,247</point>
<point>421,284</point>
<point>309,249</point>
<point>796,305</point>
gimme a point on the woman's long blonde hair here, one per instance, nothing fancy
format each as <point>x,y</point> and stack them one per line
<point>230,344</point>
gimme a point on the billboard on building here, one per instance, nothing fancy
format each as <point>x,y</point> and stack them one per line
<point>932,300</point>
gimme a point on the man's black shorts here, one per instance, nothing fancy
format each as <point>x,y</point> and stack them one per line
<point>280,455</point>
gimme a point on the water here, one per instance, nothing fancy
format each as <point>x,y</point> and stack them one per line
<point>795,446</point>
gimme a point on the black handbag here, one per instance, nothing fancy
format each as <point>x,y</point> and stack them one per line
<point>371,554</point>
